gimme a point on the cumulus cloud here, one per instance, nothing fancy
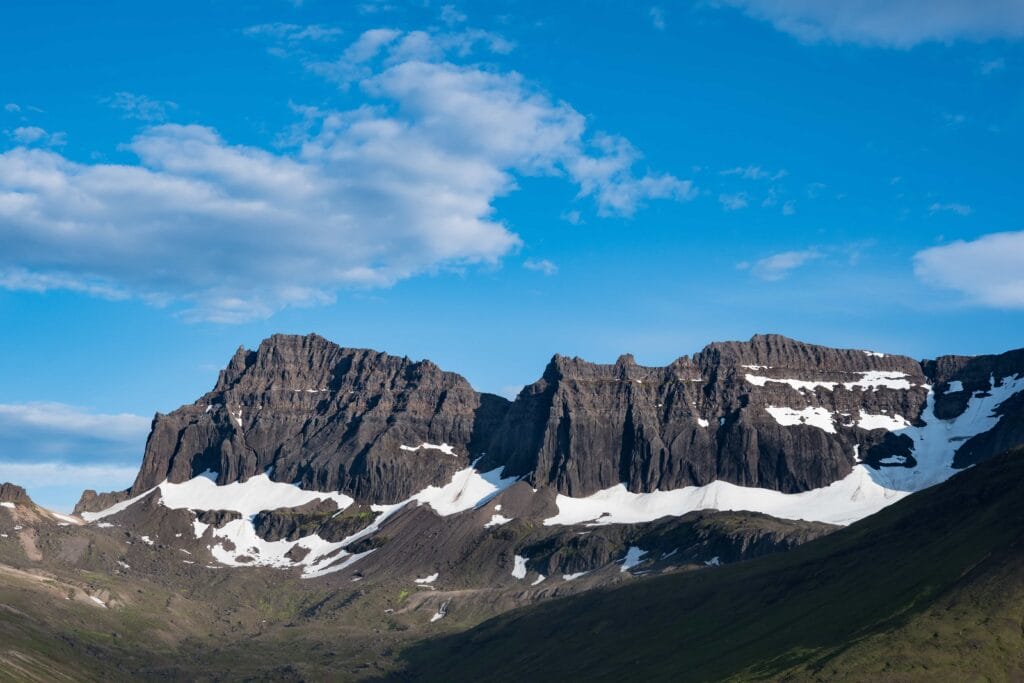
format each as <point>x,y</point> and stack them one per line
<point>889,23</point>
<point>777,266</point>
<point>400,186</point>
<point>987,270</point>
<point>541,265</point>
<point>140,107</point>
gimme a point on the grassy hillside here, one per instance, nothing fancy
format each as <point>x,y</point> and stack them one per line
<point>930,587</point>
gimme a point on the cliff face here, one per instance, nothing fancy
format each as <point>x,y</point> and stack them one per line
<point>333,419</point>
<point>705,418</point>
<point>772,413</point>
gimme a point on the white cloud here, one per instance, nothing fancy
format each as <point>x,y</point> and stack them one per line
<point>987,270</point>
<point>294,32</point>
<point>60,418</point>
<point>958,209</point>
<point>451,16</point>
<point>542,265</point>
<point>754,173</point>
<point>889,23</point>
<point>400,186</point>
<point>48,474</point>
<point>778,266</point>
<point>31,135</point>
<point>12,108</point>
<point>140,107</point>
<point>657,16</point>
<point>733,202</point>
<point>788,208</point>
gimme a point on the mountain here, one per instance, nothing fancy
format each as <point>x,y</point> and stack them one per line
<point>322,509</point>
<point>309,455</point>
<point>927,589</point>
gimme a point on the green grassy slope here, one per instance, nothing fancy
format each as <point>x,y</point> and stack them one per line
<point>929,588</point>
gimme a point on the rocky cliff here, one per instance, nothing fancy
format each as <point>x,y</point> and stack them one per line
<point>772,413</point>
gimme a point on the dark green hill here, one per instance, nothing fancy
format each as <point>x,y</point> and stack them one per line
<point>930,588</point>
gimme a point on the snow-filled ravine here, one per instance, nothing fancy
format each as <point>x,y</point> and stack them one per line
<point>863,492</point>
<point>467,489</point>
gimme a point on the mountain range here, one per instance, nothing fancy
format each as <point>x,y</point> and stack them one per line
<point>318,491</point>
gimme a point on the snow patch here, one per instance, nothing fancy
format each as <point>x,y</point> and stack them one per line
<point>519,567</point>
<point>98,601</point>
<point>863,492</point>
<point>573,577</point>
<point>427,579</point>
<point>954,387</point>
<point>876,354</point>
<point>540,579</point>
<point>497,520</point>
<point>889,423</point>
<point>633,557</point>
<point>702,422</point>
<point>713,562</point>
<point>444,448</point>
<point>147,540</point>
<point>814,417</point>
<point>7,504</point>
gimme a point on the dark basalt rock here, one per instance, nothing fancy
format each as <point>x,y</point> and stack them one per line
<point>584,427</point>
<point>317,517</point>
<point>327,417</point>
<point>334,419</point>
<point>12,493</point>
<point>217,518</point>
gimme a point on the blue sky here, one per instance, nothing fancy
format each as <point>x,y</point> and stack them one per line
<point>484,185</point>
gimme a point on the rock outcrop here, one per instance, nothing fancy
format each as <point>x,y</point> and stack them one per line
<point>330,418</point>
<point>12,493</point>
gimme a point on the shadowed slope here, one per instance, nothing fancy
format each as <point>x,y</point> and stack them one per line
<point>938,567</point>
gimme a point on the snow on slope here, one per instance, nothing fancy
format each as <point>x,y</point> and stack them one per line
<point>861,493</point>
<point>467,489</point>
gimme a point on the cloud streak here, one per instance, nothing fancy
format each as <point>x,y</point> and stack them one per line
<point>892,23</point>
<point>778,266</point>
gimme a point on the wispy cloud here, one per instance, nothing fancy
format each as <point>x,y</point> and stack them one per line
<point>657,15</point>
<point>754,173</point>
<point>363,198</point>
<point>103,477</point>
<point>34,135</point>
<point>60,418</point>
<point>778,266</point>
<point>958,209</point>
<point>294,32</point>
<point>541,265</point>
<point>140,107</point>
<point>893,23</point>
<point>986,270</point>
<point>733,202</point>
<point>992,66</point>
<point>12,108</point>
<point>451,16</point>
